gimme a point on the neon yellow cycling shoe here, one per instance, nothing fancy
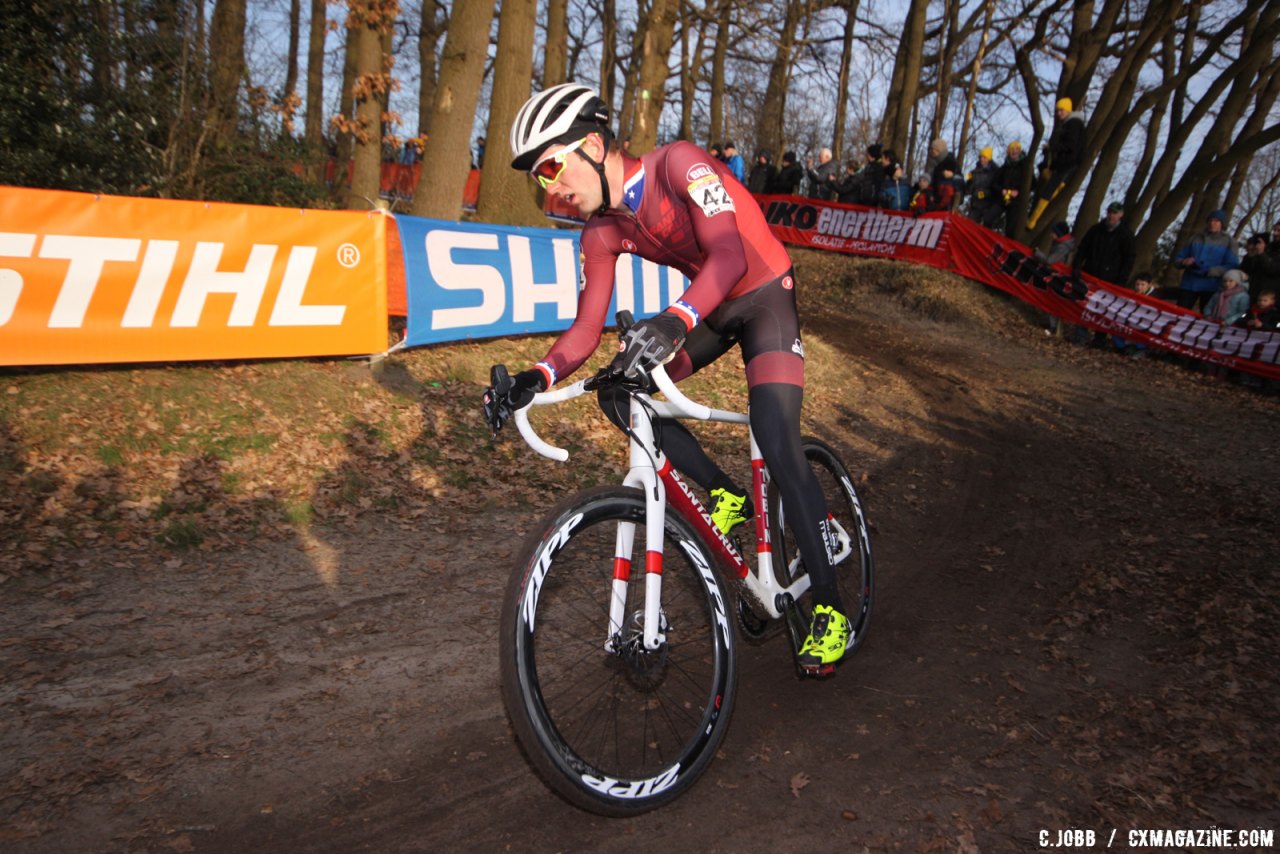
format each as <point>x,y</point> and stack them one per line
<point>825,645</point>
<point>728,510</point>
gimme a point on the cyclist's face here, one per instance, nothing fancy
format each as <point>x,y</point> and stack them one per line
<point>579,183</point>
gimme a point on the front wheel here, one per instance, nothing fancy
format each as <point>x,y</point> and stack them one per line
<point>615,728</point>
<point>854,566</point>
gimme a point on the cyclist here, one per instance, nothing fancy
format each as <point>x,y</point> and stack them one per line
<point>679,206</point>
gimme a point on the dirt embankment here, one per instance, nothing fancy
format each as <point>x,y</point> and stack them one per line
<point>1076,625</point>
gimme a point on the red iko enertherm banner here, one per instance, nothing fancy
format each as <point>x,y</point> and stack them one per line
<point>957,244</point>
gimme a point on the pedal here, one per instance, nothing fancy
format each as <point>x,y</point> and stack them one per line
<point>816,671</point>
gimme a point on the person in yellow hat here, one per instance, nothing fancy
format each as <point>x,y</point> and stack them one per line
<point>1013,173</point>
<point>1062,157</point>
<point>980,186</point>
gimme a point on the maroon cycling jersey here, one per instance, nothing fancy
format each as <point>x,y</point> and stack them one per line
<point>683,208</point>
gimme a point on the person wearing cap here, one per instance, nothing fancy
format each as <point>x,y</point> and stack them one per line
<point>1012,174</point>
<point>1203,261</point>
<point>1062,156</point>
<point>678,206</point>
<point>980,186</point>
<point>1107,250</point>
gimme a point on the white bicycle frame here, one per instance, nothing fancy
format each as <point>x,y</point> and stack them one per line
<point>648,464</point>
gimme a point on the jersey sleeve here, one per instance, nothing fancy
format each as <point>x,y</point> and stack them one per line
<point>579,341</point>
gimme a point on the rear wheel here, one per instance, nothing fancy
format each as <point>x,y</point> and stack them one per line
<point>614,727</point>
<point>854,566</point>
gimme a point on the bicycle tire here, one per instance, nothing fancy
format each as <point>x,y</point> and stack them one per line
<point>855,575</point>
<point>613,729</point>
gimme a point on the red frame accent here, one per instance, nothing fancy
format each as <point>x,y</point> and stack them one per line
<point>683,501</point>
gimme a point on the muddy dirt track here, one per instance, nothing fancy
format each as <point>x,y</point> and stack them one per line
<point>1075,628</point>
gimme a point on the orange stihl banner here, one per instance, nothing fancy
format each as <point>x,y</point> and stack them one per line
<point>87,278</point>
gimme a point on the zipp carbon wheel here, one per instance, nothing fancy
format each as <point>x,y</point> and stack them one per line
<point>855,571</point>
<point>615,728</point>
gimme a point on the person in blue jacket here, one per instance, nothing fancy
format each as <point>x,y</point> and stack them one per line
<point>735,162</point>
<point>1204,260</point>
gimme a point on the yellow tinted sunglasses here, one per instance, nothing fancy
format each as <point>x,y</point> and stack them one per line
<point>549,169</point>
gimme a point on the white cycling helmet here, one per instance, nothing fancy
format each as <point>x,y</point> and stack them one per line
<point>562,113</point>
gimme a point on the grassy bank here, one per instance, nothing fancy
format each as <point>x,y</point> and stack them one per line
<point>196,456</point>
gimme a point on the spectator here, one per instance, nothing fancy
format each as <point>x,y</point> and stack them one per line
<point>762,173</point>
<point>1146,284</point>
<point>863,186</point>
<point>897,191</point>
<point>716,151</point>
<point>1062,155</point>
<point>920,199</point>
<point>874,175</point>
<point>1230,303</point>
<point>479,153</point>
<point>1107,249</point>
<point>1062,246</point>
<point>1264,314</point>
<point>1143,283</point>
<point>849,188</point>
<point>1273,248</point>
<point>981,187</point>
<point>942,193</point>
<point>822,179</point>
<point>937,151</point>
<point>942,182</point>
<point>1262,267</point>
<point>1012,173</point>
<point>1203,261</point>
<point>787,181</point>
<point>1060,253</point>
<point>734,161</point>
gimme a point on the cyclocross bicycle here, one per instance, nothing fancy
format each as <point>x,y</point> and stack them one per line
<point>619,654</point>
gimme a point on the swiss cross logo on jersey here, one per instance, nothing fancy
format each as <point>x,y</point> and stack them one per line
<point>628,246</point>
<point>707,191</point>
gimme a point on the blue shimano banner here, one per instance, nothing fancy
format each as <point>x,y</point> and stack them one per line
<point>469,280</point>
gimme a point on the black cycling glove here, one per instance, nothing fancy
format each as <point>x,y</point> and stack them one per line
<point>650,342</point>
<point>508,394</point>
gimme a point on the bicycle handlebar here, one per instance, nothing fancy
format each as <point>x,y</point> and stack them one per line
<point>677,405</point>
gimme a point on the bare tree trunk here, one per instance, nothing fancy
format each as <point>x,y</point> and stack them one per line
<point>905,84</point>
<point>314,128</point>
<point>506,195</point>
<point>842,87</point>
<point>947,45</point>
<point>553,67</point>
<point>718,58</point>
<point>609,52</point>
<point>446,157</point>
<point>290,96</point>
<point>428,39</point>
<point>345,140</point>
<point>365,21</point>
<point>651,80</point>
<point>973,73</point>
<point>226,68</point>
<point>773,109</point>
